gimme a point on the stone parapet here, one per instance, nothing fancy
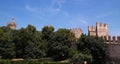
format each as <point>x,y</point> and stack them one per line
<point>112,39</point>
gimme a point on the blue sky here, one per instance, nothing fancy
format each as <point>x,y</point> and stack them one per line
<point>62,13</point>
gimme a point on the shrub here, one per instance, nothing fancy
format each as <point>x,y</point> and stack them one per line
<point>80,58</point>
<point>29,61</point>
<point>3,61</point>
<point>56,63</point>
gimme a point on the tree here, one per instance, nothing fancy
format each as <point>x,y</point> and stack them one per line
<point>47,32</point>
<point>60,44</point>
<point>36,46</point>
<point>20,42</point>
<point>29,43</point>
<point>6,45</point>
<point>94,46</point>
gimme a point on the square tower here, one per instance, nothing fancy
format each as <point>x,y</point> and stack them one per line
<point>92,30</point>
<point>101,29</point>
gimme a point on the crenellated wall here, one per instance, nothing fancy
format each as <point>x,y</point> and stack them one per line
<point>113,42</point>
<point>101,29</point>
<point>112,39</point>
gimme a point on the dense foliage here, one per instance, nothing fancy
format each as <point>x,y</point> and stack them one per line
<point>93,46</point>
<point>29,61</point>
<point>60,43</point>
<point>28,43</point>
<point>6,44</point>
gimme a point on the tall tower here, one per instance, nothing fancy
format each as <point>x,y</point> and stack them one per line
<point>12,24</point>
<point>101,29</point>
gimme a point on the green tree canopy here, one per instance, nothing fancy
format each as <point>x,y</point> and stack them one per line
<point>94,46</point>
<point>47,32</point>
<point>29,43</point>
<point>6,45</point>
<point>60,44</point>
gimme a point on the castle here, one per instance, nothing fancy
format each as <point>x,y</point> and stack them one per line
<point>101,30</point>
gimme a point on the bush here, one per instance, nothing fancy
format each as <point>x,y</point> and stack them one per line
<point>3,61</point>
<point>46,59</point>
<point>56,63</point>
<point>80,58</point>
<point>29,61</point>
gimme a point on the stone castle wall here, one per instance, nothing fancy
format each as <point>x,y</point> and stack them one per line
<point>113,53</point>
<point>112,39</point>
<point>100,30</point>
<point>113,42</point>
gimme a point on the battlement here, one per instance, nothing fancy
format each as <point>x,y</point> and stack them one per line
<point>112,39</point>
<point>91,28</point>
<point>101,29</point>
<point>99,24</point>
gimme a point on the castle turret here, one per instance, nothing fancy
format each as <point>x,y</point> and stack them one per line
<point>12,24</point>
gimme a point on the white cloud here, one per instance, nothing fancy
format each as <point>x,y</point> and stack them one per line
<point>29,8</point>
<point>78,23</point>
<point>54,11</point>
<point>77,2</point>
<point>58,3</point>
<point>54,8</point>
<point>84,22</point>
<point>104,15</point>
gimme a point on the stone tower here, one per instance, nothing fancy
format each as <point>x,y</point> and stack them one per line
<point>12,24</point>
<point>92,30</point>
<point>101,30</point>
<point>77,32</point>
